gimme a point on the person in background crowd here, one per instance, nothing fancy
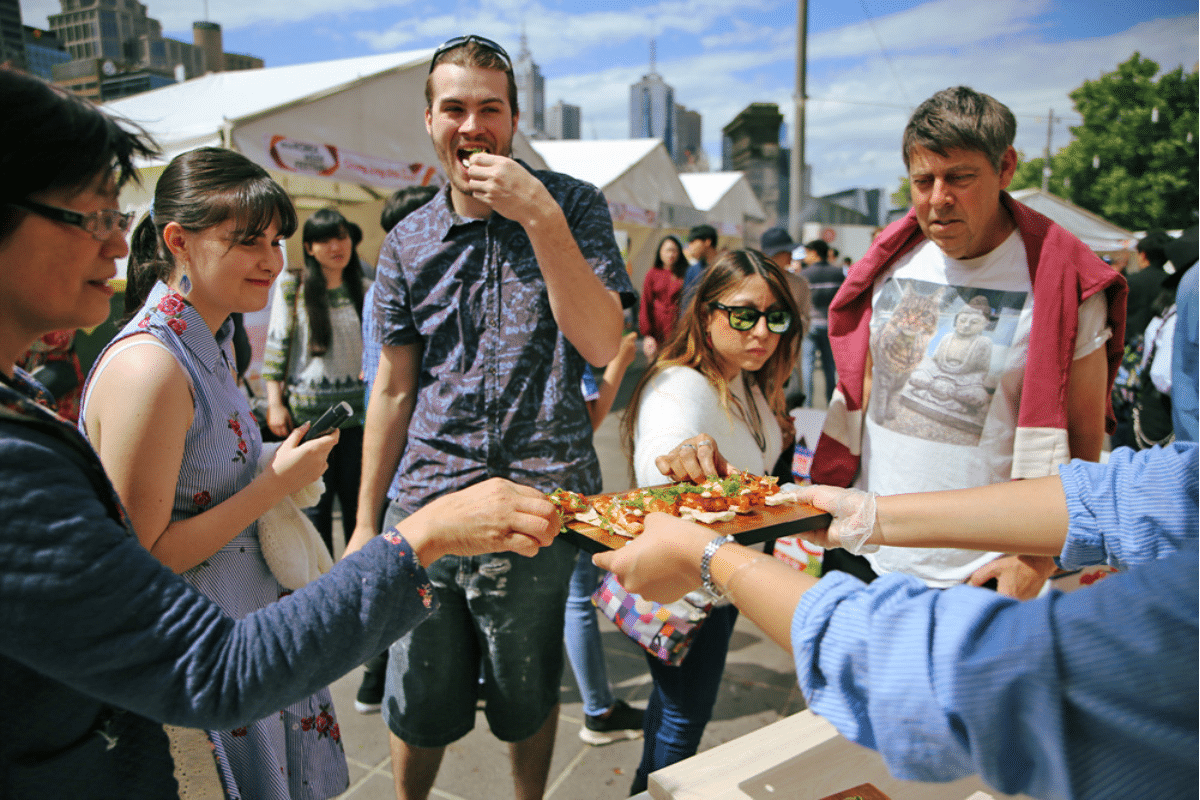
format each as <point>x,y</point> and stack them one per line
<point>401,203</point>
<point>718,383</point>
<point>1147,283</point>
<point>661,291</point>
<point>526,265</point>
<point>1185,350</point>
<point>1091,694</point>
<point>962,361</point>
<point>313,357</point>
<point>824,279</point>
<point>369,697</point>
<point>133,645</point>
<point>777,245</point>
<point>606,718</point>
<point>701,251</point>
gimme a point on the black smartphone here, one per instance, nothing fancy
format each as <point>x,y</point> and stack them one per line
<point>330,421</point>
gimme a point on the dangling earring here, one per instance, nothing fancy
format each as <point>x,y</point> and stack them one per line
<point>185,283</point>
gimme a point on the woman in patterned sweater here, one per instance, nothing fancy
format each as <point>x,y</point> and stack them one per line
<point>314,356</point>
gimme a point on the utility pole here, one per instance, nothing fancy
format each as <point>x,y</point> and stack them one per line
<point>796,197</point>
<point>1046,159</point>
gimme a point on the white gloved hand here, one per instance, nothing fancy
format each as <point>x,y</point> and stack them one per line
<point>853,514</point>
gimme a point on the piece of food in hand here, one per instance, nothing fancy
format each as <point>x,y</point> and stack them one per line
<point>467,152</point>
<point>569,503</point>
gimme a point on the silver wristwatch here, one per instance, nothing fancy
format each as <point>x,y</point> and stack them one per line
<point>706,562</point>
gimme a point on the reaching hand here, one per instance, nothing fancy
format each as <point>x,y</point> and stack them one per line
<point>693,460</point>
<point>854,526</point>
<point>1016,576</point>
<point>649,347</point>
<point>627,350</point>
<point>488,517</point>
<point>279,419</point>
<point>663,562</point>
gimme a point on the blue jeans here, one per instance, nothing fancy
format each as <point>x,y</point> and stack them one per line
<point>682,700</point>
<point>582,636</point>
<point>817,341</point>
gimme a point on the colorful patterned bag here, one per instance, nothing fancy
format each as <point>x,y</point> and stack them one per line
<point>665,631</point>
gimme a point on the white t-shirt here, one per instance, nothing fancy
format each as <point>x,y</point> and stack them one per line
<point>680,403</point>
<point>949,341</point>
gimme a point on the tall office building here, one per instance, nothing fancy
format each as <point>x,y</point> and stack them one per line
<point>751,145</point>
<point>563,121</point>
<point>117,50</point>
<point>12,35</point>
<point>689,155</point>
<point>42,52</point>
<point>652,109</point>
<point>531,92</point>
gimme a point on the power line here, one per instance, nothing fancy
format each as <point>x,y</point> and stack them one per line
<point>886,56</point>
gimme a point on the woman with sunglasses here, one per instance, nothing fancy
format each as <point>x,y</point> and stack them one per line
<point>100,643</point>
<point>717,387</point>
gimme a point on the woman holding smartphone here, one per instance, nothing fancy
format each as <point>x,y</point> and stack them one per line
<point>164,412</point>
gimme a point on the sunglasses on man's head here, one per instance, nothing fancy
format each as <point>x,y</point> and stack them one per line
<point>459,41</point>
<point>744,318</point>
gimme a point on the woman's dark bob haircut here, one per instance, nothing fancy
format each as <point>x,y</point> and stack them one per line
<point>53,140</point>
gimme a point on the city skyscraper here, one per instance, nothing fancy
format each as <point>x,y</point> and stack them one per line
<point>118,50</point>
<point>690,151</point>
<point>531,92</point>
<point>12,35</point>
<point>563,121</point>
<point>652,110</point>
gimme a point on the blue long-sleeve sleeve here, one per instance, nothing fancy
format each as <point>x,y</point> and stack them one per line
<point>88,610</point>
<point>1091,694</point>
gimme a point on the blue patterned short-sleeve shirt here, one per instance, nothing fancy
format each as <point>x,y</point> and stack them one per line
<point>498,389</point>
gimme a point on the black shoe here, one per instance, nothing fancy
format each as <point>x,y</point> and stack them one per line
<point>623,721</point>
<point>369,699</point>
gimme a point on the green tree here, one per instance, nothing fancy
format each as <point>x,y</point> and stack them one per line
<point>1133,161</point>
<point>902,197</point>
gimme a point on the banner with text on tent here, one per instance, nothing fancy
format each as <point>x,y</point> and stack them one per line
<point>330,161</point>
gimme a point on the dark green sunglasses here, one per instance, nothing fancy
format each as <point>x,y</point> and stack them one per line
<point>744,318</point>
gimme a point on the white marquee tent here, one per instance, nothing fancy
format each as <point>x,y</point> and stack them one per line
<point>728,201</point>
<point>1094,231</point>
<point>348,131</point>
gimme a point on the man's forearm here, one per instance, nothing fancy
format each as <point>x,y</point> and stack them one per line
<point>385,435</point>
<point>588,314</point>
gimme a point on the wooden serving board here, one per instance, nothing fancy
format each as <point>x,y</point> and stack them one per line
<point>763,524</point>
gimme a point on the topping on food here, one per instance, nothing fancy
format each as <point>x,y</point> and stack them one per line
<point>715,500</point>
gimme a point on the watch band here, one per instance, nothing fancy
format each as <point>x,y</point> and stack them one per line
<point>710,550</point>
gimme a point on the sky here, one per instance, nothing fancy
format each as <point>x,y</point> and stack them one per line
<point>869,62</point>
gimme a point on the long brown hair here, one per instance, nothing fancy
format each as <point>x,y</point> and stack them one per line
<point>687,346</point>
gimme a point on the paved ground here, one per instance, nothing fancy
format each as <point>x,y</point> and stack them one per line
<point>759,687</point>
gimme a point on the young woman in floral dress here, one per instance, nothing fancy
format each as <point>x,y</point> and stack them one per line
<point>163,409</point>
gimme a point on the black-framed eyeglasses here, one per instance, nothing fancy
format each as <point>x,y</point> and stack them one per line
<point>100,224</point>
<point>744,318</point>
<point>459,41</point>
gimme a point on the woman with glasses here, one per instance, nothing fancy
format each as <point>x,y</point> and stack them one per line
<point>717,387</point>
<point>100,643</point>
